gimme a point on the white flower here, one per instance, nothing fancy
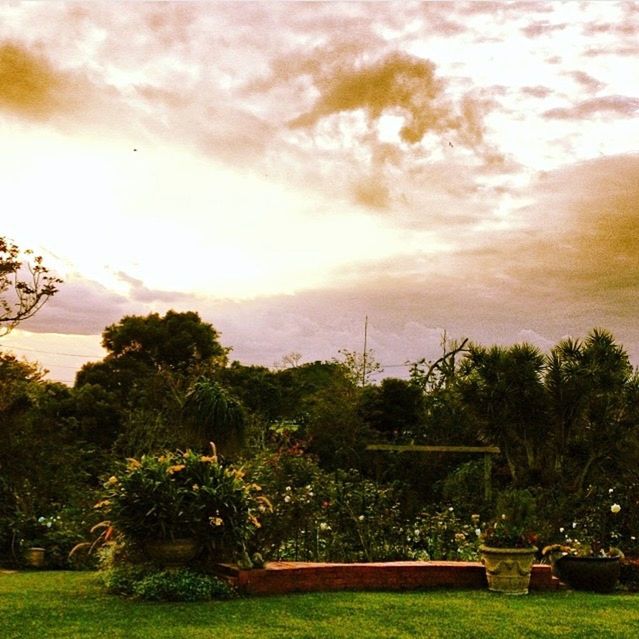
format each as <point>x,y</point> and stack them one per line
<point>324,526</point>
<point>310,494</point>
<point>288,489</point>
<point>611,490</point>
<point>615,508</point>
<point>478,531</point>
<point>574,524</point>
<point>361,518</point>
<point>451,509</point>
<point>632,537</point>
<point>287,498</point>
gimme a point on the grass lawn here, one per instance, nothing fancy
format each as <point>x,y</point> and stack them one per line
<point>71,604</point>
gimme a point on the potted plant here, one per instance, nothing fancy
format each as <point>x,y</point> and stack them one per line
<point>586,559</point>
<point>177,503</point>
<point>507,548</point>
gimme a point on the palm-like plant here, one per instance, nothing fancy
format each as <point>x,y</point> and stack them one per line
<point>216,414</point>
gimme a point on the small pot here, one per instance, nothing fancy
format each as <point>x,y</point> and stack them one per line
<point>34,557</point>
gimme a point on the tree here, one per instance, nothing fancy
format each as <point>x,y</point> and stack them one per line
<point>152,363</point>
<point>503,388</point>
<point>216,415</point>
<point>25,285</point>
<point>395,408</point>
<point>177,341</point>
<point>593,394</point>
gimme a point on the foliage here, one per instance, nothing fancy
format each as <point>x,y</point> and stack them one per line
<point>322,516</point>
<point>393,408</point>
<point>360,367</point>
<point>514,524</point>
<point>442,535</point>
<point>176,341</point>
<point>28,281</point>
<point>216,413</point>
<point>180,495</point>
<point>147,583</point>
<point>597,526</point>
<point>43,461</point>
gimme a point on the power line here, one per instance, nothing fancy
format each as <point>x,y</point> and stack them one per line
<point>35,350</point>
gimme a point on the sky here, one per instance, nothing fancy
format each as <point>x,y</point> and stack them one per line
<point>287,169</point>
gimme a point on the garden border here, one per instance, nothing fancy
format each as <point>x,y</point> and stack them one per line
<point>290,576</point>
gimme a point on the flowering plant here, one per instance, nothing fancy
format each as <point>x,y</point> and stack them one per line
<point>593,532</point>
<point>513,525</point>
<point>182,495</point>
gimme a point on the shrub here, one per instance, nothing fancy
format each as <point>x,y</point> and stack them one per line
<point>146,582</point>
<point>181,585</point>
<point>183,495</point>
<point>442,535</point>
<point>319,516</point>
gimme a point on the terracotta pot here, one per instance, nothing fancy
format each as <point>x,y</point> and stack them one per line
<point>34,557</point>
<point>597,574</point>
<point>508,569</point>
<point>172,553</point>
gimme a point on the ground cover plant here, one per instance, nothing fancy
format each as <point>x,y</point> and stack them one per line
<point>72,605</point>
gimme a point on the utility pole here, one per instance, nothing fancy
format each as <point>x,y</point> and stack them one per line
<point>365,351</point>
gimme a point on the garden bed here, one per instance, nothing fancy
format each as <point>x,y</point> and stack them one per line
<point>291,576</point>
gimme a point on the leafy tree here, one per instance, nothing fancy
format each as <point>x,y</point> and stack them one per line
<point>361,367</point>
<point>395,408</point>
<point>177,341</point>
<point>25,285</point>
<point>151,365</point>
<point>41,459</point>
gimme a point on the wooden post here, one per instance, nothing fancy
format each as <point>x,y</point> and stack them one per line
<point>488,473</point>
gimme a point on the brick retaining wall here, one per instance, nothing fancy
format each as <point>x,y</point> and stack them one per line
<point>284,577</point>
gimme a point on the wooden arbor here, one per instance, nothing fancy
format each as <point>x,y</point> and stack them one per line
<point>486,451</point>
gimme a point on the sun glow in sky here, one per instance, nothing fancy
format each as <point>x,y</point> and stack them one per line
<point>286,168</point>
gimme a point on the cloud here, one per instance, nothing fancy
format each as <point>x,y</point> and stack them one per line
<point>138,292</point>
<point>398,83</point>
<point>537,91</point>
<point>617,105</point>
<point>82,307</point>
<point>587,81</point>
<point>30,86</point>
<point>542,28</point>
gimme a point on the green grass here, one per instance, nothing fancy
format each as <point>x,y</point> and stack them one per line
<point>72,605</point>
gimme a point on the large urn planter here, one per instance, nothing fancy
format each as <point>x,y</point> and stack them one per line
<point>597,574</point>
<point>508,569</point>
<point>173,553</point>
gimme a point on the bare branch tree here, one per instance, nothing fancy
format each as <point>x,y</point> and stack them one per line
<point>25,285</point>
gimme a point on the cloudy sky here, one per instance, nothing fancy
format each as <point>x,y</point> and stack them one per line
<point>288,168</point>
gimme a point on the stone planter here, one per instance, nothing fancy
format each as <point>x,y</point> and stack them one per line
<point>172,553</point>
<point>597,574</point>
<point>34,557</point>
<point>508,569</point>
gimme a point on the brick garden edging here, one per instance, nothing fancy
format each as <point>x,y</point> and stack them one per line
<point>284,577</point>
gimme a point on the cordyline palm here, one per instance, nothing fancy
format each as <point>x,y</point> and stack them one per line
<point>592,393</point>
<point>216,414</point>
<point>504,388</point>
